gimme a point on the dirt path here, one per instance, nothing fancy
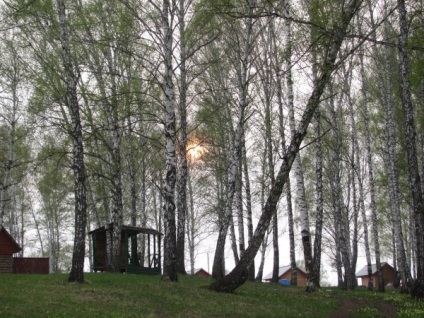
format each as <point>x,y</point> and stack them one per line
<point>349,306</point>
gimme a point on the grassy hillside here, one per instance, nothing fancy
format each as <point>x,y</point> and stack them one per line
<point>120,295</point>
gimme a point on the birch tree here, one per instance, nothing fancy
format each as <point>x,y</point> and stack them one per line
<point>301,202</point>
<point>182,154</point>
<point>169,268</point>
<point>410,132</point>
<point>71,101</point>
<point>242,78</point>
<point>390,157</point>
<point>15,157</point>
<point>239,274</point>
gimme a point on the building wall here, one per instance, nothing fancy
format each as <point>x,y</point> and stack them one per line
<point>6,264</point>
<point>301,277</point>
<point>388,277</point>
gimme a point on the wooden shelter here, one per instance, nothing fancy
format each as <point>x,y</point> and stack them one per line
<point>135,242</point>
<point>201,272</point>
<point>19,265</point>
<point>284,272</point>
<point>389,274</point>
<point>8,247</point>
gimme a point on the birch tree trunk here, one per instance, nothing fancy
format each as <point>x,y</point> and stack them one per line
<point>374,215</point>
<point>319,198</point>
<point>191,224</point>
<point>10,162</point>
<point>302,206</point>
<point>182,150</point>
<point>355,176</point>
<point>168,192</point>
<point>354,220</point>
<point>368,157</point>
<point>71,101</point>
<point>411,149</point>
<point>233,230</point>
<point>217,270</point>
<point>133,191</point>
<point>340,211</point>
<point>132,174</point>
<point>248,205</point>
<point>264,245</point>
<point>116,168</point>
<point>239,203</point>
<point>265,74</point>
<point>279,85</point>
<point>104,65</point>
<point>240,273</point>
<point>357,171</point>
<point>391,164</point>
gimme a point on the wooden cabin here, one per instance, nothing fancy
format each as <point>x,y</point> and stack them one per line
<point>389,274</point>
<point>8,247</point>
<point>284,273</point>
<point>134,241</point>
<point>201,272</point>
<point>19,265</point>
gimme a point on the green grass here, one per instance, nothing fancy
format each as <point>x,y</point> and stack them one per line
<point>119,295</point>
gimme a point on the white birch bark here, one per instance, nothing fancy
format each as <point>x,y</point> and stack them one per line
<point>293,265</point>
<point>391,165</point>
<point>265,71</point>
<point>71,101</point>
<point>248,205</point>
<point>240,273</point>
<point>319,198</point>
<point>191,224</point>
<point>217,271</point>
<point>182,149</point>
<point>264,245</point>
<point>13,73</point>
<point>10,162</point>
<point>357,172</point>
<point>353,219</point>
<point>169,270</point>
<point>104,66</point>
<point>279,86</point>
<point>411,149</point>
<point>374,214</point>
<point>340,211</point>
<point>239,203</point>
<point>301,203</point>
<point>368,160</point>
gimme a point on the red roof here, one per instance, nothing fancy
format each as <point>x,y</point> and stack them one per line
<point>8,245</point>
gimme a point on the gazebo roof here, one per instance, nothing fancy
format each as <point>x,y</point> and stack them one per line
<point>129,229</point>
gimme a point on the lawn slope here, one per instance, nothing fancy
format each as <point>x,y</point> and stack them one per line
<point>120,295</point>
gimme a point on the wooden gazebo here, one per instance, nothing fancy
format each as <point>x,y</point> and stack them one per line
<point>132,248</point>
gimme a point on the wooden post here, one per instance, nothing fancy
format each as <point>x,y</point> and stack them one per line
<point>94,255</point>
<point>148,251</point>
<point>154,246</point>
<point>127,250</point>
<point>159,257</point>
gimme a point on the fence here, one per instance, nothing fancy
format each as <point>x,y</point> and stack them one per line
<point>31,265</point>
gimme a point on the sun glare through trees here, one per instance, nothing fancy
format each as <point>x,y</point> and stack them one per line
<point>195,150</point>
